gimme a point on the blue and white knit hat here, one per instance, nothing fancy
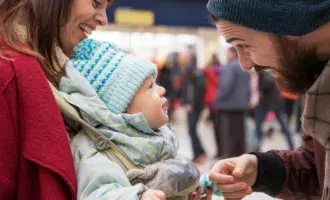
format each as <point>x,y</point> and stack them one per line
<point>115,75</point>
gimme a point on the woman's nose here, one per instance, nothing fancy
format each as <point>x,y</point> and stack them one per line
<point>102,18</point>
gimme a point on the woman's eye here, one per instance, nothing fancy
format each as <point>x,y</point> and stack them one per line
<point>96,3</point>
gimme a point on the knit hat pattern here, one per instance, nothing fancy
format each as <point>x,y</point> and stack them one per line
<point>115,75</point>
<point>284,17</point>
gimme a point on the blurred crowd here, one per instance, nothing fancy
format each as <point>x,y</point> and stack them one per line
<point>232,98</point>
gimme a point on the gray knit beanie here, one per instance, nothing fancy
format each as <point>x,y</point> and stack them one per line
<point>284,17</point>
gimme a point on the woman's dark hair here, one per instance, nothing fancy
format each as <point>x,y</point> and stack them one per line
<point>43,20</point>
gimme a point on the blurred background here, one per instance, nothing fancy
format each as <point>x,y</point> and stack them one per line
<point>216,111</point>
<point>154,29</point>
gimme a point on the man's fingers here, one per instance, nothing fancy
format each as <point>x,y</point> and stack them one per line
<point>232,187</point>
<point>240,167</point>
<point>221,178</point>
<point>225,167</point>
<point>237,195</point>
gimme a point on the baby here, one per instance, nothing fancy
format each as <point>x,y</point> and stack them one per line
<point>116,93</point>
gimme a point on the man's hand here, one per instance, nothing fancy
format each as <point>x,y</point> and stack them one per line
<point>235,176</point>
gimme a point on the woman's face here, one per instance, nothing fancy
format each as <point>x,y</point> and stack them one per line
<point>84,16</point>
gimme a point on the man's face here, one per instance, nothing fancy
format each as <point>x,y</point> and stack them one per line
<point>294,67</point>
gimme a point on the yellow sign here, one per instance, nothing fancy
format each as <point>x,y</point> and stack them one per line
<point>134,17</point>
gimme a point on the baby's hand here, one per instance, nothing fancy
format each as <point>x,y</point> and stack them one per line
<point>153,195</point>
<point>196,195</point>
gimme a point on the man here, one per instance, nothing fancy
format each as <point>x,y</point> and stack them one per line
<point>290,39</point>
<point>231,103</point>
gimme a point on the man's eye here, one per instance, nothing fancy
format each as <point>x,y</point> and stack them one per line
<point>243,46</point>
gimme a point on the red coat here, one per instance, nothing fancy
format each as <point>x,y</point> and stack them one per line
<point>35,156</point>
<point>212,82</point>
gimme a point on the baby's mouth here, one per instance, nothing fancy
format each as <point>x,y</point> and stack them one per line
<point>165,106</point>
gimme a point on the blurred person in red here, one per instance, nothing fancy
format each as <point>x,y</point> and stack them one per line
<point>211,72</point>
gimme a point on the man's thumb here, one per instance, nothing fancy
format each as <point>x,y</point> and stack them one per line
<point>240,167</point>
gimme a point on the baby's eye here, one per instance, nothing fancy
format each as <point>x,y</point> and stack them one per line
<point>96,4</point>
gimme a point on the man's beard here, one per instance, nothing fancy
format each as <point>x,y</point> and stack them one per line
<point>299,68</point>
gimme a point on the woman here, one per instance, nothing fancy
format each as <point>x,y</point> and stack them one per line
<point>211,72</point>
<point>36,36</point>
